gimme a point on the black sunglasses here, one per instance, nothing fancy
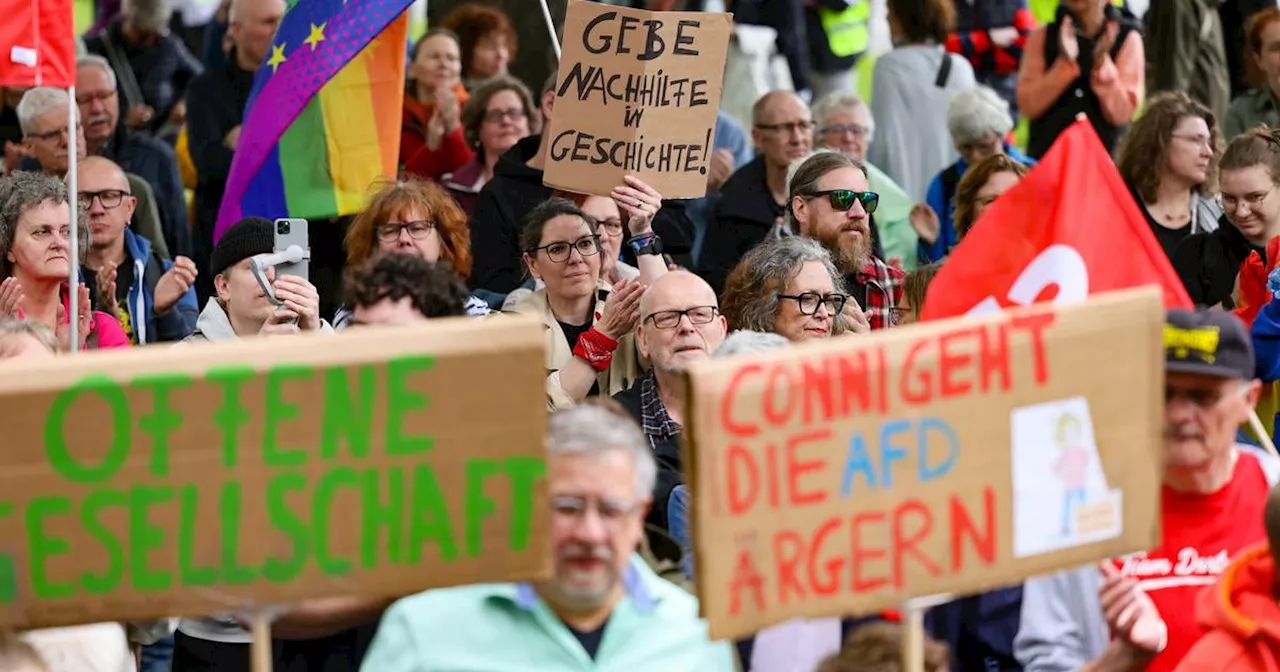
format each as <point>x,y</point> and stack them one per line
<point>843,199</point>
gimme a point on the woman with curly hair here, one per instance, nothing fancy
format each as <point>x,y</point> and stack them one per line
<point>416,218</point>
<point>790,287</point>
<point>981,185</point>
<point>1169,159</point>
<point>486,39</point>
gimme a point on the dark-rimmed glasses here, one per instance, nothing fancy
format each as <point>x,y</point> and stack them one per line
<point>559,251</point>
<point>110,198</point>
<point>809,302</point>
<point>418,230</point>
<point>669,319</point>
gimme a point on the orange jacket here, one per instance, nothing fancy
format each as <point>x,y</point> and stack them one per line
<point>1241,618</point>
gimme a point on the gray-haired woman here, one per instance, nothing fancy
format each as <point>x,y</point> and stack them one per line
<point>790,287</point>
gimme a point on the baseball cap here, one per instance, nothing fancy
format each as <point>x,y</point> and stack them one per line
<point>246,238</point>
<point>1209,342</point>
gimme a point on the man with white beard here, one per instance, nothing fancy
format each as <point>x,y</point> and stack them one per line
<point>831,202</point>
<point>680,323</point>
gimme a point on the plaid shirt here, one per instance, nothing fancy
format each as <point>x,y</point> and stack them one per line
<point>884,292</point>
<point>655,422</point>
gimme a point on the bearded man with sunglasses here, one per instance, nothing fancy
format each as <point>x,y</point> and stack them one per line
<point>1138,611</point>
<point>832,202</point>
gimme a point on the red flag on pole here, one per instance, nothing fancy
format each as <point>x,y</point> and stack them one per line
<point>39,43</point>
<point>1070,228</point>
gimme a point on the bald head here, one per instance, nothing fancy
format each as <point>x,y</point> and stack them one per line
<point>773,101</point>
<point>676,287</point>
<point>252,26</point>
<point>97,173</point>
<point>679,323</point>
<point>248,11</point>
<point>105,193</point>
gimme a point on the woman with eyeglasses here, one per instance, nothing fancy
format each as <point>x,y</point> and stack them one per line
<point>497,116</point>
<point>1209,263</point>
<point>590,324</point>
<point>411,218</point>
<point>1169,159</point>
<point>790,287</point>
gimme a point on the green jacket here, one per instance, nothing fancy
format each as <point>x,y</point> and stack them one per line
<point>893,218</point>
<point>1182,40</point>
<point>1253,108</point>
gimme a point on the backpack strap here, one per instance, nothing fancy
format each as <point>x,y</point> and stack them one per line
<point>944,71</point>
<point>124,72</point>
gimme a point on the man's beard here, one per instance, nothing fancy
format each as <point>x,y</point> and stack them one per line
<point>850,255</point>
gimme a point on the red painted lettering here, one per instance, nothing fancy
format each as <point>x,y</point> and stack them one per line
<point>905,541</point>
<point>952,361</point>
<point>796,469</point>
<point>771,473</point>
<point>924,391</point>
<point>779,381</point>
<point>882,379</point>
<point>984,540</point>
<point>741,496</point>
<point>1036,324</point>
<point>745,576</point>
<point>730,396</point>
<point>861,552</point>
<point>788,550</point>
<point>817,391</point>
<point>993,357</point>
<point>828,582</point>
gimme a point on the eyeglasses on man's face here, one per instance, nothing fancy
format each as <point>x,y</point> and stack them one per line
<point>669,319</point>
<point>842,200</point>
<point>110,198</point>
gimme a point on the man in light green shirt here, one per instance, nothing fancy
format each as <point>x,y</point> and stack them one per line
<point>603,609</point>
<point>845,125</point>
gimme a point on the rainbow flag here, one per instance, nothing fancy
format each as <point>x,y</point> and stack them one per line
<point>323,119</point>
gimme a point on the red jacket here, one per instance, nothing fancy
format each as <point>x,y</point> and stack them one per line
<point>415,157</point>
<point>1241,618</point>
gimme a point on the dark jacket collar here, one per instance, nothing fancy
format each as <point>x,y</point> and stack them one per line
<point>746,195</point>
<point>513,164</point>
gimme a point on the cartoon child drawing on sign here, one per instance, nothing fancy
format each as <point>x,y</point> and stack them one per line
<point>1072,465</point>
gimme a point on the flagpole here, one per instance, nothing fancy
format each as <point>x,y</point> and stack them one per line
<point>551,28</point>
<point>73,191</point>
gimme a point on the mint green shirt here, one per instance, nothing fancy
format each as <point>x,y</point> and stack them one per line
<point>505,626</point>
<point>893,218</point>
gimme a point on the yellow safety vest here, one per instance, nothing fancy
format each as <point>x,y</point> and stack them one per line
<point>847,30</point>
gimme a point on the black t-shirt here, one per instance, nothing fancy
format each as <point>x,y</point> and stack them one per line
<point>1169,239</point>
<point>571,334</point>
<point>590,641</point>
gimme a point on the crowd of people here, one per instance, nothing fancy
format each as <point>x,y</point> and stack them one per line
<point>826,218</point>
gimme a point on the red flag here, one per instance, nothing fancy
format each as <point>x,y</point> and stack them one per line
<point>1070,228</point>
<point>39,43</point>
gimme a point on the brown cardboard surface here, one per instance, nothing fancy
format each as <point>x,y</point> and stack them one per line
<point>807,420</point>
<point>211,478</point>
<point>611,56</point>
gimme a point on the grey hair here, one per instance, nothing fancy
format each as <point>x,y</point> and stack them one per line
<point>744,342</point>
<point>11,326</point>
<point>842,101</point>
<point>750,296</point>
<point>595,427</point>
<point>98,62</point>
<point>977,113</point>
<point>38,102</point>
<point>148,14</point>
<point>19,192</point>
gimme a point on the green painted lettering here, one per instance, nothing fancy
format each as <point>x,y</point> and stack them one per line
<point>55,439</point>
<point>347,418</point>
<point>144,537</point>
<point>382,514</point>
<point>229,505</point>
<point>523,472</point>
<point>188,510</point>
<point>476,505</point>
<point>321,507</point>
<point>162,419</point>
<point>41,547</point>
<point>91,519</point>
<point>279,411</point>
<point>401,401</point>
<point>278,570</point>
<point>232,415</point>
<point>8,574</point>
<point>430,517</point>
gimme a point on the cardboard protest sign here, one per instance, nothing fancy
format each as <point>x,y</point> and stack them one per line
<point>205,479</point>
<point>637,92</point>
<point>845,477</point>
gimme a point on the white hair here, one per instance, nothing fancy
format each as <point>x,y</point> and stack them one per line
<point>38,102</point>
<point>592,429</point>
<point>94,60</point>
<point>148,14</point>
<point>744,342</point>
<point>975,114</point>
<point>842,101</point>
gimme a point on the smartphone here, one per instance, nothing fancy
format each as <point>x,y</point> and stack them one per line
<point>290,232</point>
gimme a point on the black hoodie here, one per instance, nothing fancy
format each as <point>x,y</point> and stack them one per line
<point>502,205</point>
